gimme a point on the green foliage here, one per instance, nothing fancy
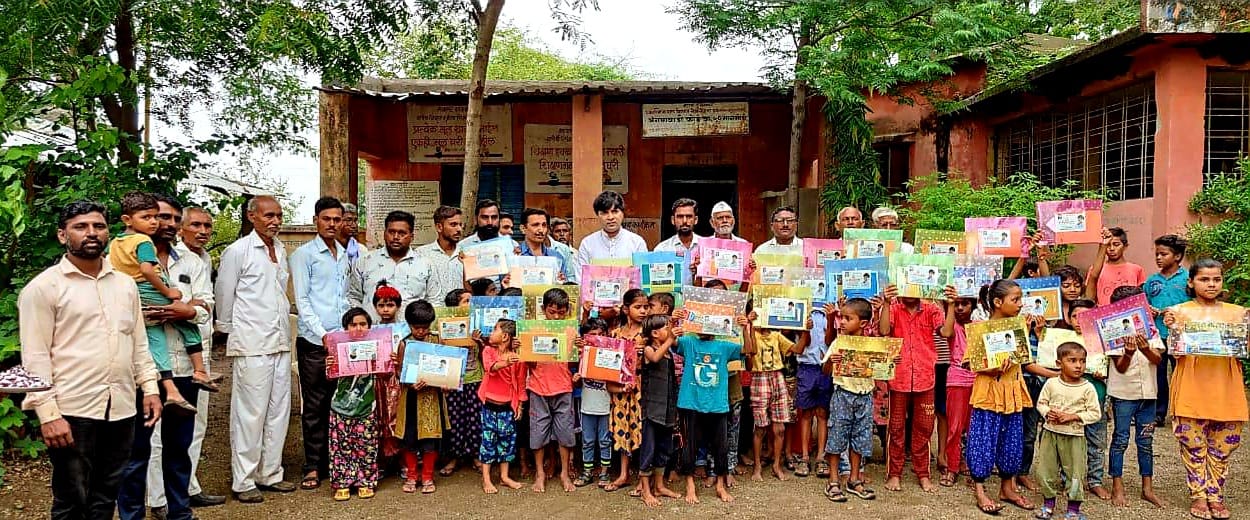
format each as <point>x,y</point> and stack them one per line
<point>854,178</point>
<point>1085,19</point>
<point>1226,199</point>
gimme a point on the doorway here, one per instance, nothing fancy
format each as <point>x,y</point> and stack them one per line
<point>707,185</point>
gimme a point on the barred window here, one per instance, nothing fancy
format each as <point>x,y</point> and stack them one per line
<point>1107,140</point>
<point>1227,121</point>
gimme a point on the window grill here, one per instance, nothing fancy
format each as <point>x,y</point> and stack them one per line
<point>1227,122</point>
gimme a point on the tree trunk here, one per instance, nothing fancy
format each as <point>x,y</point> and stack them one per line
<point>798,118</point>
<point>477,90</point>
<point>123,111</point>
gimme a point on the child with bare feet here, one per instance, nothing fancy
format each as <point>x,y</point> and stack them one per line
<point>1132,387</point>
<point>703,402</point>
<point>659,409</point>
<point>772,407</point>
<point>502,390</point>
<point>550,390</point>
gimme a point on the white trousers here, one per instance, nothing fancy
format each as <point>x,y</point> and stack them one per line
<point>156,478</point>
<point>260,411</point>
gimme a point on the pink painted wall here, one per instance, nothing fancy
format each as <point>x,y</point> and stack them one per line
<point>1135,217</point>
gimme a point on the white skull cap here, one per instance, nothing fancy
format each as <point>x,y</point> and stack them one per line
<point>721,207</point>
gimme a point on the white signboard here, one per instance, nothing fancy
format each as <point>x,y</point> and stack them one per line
<point>420,198</point>
<point>549,158</point>
<point>436,133</point>
<point>696,119</point>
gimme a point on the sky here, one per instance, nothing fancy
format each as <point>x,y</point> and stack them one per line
<point>638,30</point>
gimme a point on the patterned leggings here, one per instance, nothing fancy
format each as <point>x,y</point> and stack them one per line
<point>994,439</point>
<point>353,451</point>
<point>1205,449</point>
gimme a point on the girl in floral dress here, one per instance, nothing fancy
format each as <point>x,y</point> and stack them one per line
<point>353,424</point>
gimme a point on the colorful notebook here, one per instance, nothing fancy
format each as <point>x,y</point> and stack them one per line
<point>858,278</point>
<point>865,357</point>
<point>661,271</point>
<point>817,250</point>
<point>533,295</point>
<point>1096,362</point>
<point>922,276</point>
<point>605,286</point>
<point>1107,328</point>
<point>971,272</point>
<point>871,243</point>
<point>770,269</point>
<point>437,365</point>
<point>993,341</point>
<point>534,270</point>
<point>359,354</point>
<point>1070,221</point>
<point>1041,297</point>
<point>940,242</point>
<point>813,278</point>
<point>1208,338</point>
<point>547,340</point>
<point>781,307</point>
<point>451,324</point>
<point>724,259</point>
<point>1004,236</point>
<point>486,311</point>
<point>487,258</point>
<point>608,359</point>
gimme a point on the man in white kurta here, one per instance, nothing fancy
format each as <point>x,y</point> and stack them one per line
<point>253,309</point>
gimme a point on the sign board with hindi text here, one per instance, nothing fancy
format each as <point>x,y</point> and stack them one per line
<point>696,119</point>
<point>416,197</point>
<point>549,158</point>
<point>436,133</point>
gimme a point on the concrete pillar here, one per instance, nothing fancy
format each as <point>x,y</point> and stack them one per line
<point>337,164</point>
<point>587,162</point>
<point>1180,98</point>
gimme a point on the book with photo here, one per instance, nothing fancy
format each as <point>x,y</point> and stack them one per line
<point>439,366</point>
<point>488,258</point>
<point>771,269</point>
<point>607,359</point>
<point>1096,362</point>
<point>941,242</point>
<point>1041,297</point>
<point>813,278</point>
<point>486,311</point>
<point>533,295</point>
<point>781,307</point>
<point>451,325</point>
<point>662,271</point>
<point>605,286</point>
<point>1003,236</point>
<point>993,341</point>
<point>922,276</point>
<point>724,259</point>
<point>858,278</point>
<point>547,340</point>
<point>817,250</point>
<point>865,357</point>
<point>1109,327</point>
<point>871,243</point>
<point>1070,221</point>
<point>971,272</point>
<point>535,270</point>
<point>713,311</point>
<point>1209,338</point>
<point>357,354</point>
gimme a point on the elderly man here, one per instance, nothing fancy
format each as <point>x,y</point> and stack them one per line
<point>723,222</point>
<point>319,277</point>
<point>81,328</point>
<point>612,240</point>
<point>785,224</point>
<point>253,309</point>
<point>174,467</point>
<point>887,218</point>
<point>848,218</point>
<point>561,231</point>
<point>447,272</point>
<point>347,231</point>
<point>397,263</point>
<point>195,230</point>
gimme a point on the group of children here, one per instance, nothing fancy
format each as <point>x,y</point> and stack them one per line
<point>685,409</point>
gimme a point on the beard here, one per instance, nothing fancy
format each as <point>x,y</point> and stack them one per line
<point>724,230</point>
<point>487,232</point>
<point>87,249</point>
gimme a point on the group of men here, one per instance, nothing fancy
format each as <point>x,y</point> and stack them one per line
<point>82,328</point>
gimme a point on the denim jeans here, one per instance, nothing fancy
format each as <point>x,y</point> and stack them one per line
<point>596,434</point>
<point>1096,450</point>
<point>1140,414</point>
<point>176,434</point>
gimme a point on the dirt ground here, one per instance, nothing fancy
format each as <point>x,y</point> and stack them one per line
<point>26,493</point>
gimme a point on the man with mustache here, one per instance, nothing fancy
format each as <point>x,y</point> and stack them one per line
<point>723,222</point>
<point>397,264</point>
<point>151,471</point>
<point>447,272</point>
<point>347,233</point>
<point>81,328</point>
<point>785,241</point>
<point>685,216</point>
<point>253,309</point>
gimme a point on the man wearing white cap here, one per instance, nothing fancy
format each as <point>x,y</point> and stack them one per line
<point>723,222</point>
<point>785,241</point>
<point>887,218</point>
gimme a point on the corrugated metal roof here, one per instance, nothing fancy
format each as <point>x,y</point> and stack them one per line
<point>410,88</point>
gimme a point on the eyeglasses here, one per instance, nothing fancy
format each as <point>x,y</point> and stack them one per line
<point>785,221</point>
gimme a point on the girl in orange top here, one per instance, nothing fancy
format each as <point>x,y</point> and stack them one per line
<point>626,419</point>
<point>996,429</point>
<point>1207,396</point>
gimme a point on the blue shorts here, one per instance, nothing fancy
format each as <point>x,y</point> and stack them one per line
<point>850,423</point>
<point>815,388</point>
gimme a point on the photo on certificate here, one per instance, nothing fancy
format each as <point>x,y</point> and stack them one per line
<point>662,271</point>
<point>940,242</point>
<point>1041,297</point>
<point>605,286</point>
<point>1070,221</point>
<point>971,272</point>
<point>1003,236</point>
<point>358,354</point>
<point>486,311</point>
<point>437,365</point>
<point>780,307</point>
<point>993,341</point>
<point>547,340</point>
<point>818,250</point>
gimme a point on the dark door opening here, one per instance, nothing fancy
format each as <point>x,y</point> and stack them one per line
<point>707,185</point>
<point>504,184</point>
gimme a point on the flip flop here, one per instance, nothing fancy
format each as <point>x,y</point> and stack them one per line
<point>1200,514</point>
<point>635,493</point>
<point>991,509</point>
<point>310,483</point>
<point>1022,503</point>
<point>410,486</point>
<point>1219,511</point>
<point>427,487</point>
<point>947,480</point>
<point>611,487</point>
<point>446,472</point>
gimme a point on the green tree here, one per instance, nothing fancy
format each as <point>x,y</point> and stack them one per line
<point>515,55</point>
<point>1224,233</point>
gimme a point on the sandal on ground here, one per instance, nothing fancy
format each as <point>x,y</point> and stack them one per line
<point>341,495</point>
<point>635,493</point>
<point>858,489</point>
<point>1219,511</point>
<point>584,479</point>
<point>1022,503</point>
<point>1045,513</point>
<point>179,407</point>
<point>802,469</point>
<point>310,481</point>
<point>948,479</point>
<point>834,493</point>
<point>992,509</point>
<point>789,463</point>
<point>1200,514</point>
<point>447,471</point>
<point>611,486</point>
<point>604,479</point>
<point>365,492</point>
<point>410,486</point>
<point>427,487</point>
<point>822,469</point>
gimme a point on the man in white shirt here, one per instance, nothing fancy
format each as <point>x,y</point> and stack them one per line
<point>887,218</point>
<point>447,272</point>
<point>848,218</point>
<point>397,264</point>
<point>485,222</point>
<point>319,278</point>
<point>723,222</point>
<point>190,257</point>
<point>253,309</point>
<point>785,224</point>
<point>612,240</point>
<point>685,216</point>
